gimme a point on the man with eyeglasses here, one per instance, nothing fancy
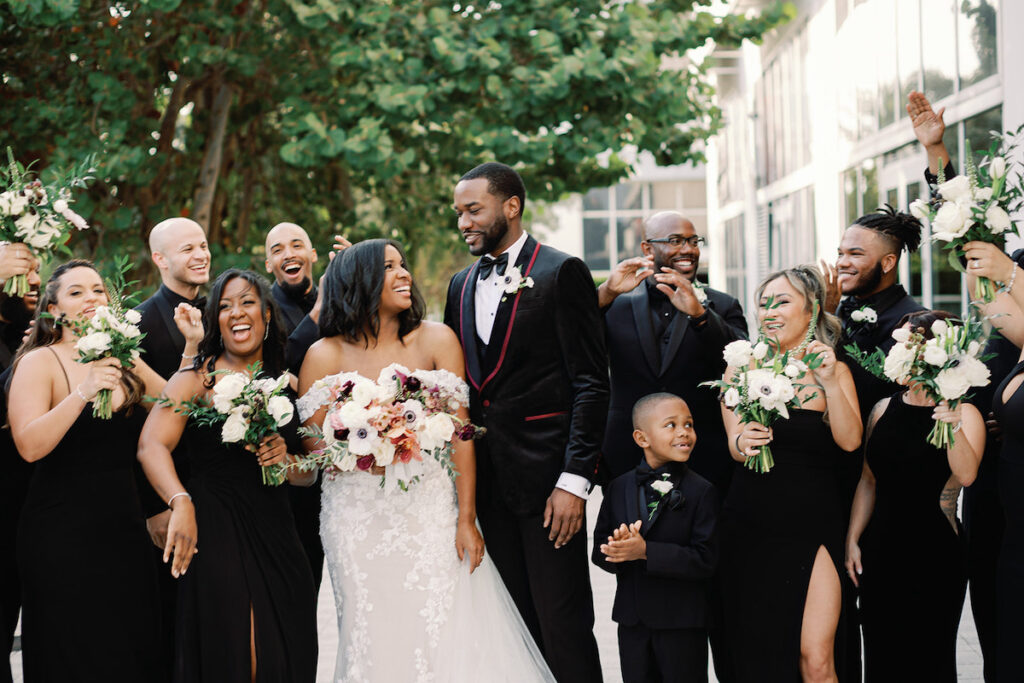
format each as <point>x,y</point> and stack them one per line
<point>665,332</point>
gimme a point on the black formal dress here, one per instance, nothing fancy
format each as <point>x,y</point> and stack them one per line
<point>540,388</point>
<point>305,499</point>
<point>13,489</point>
<point>1010,576</point>
<point>653,346</point>
<point>91,610</point>
<point>250,558</point>
<point>914,580</point>
<point>661,603</point>
<point>161,350</point>
<point>772,528</point>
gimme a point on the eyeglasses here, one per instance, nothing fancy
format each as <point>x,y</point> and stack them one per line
<point>679,240</point>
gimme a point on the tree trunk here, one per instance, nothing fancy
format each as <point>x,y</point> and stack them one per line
<point>210,171</point>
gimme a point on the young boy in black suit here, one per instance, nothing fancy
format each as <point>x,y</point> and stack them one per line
<point>657,532</point>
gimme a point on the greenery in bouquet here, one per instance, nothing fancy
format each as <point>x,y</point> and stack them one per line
<point>393,422</point>
<point>976,206</point>
<point>945,367</point>
<point>37,214</point>
<point>248,406</point>
<point>764,384</point>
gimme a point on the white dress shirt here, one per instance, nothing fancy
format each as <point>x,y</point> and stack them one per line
<point>489,292</point>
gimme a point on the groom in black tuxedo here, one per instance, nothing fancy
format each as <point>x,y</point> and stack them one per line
<point>528,321</point>
<point>179,249</point>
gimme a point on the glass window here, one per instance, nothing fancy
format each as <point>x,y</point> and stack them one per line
<point>869,188</point>
<point>908,49</point>
<point>596,249</point>
<point>850,195</point>
<point>915,287</point>
<point>938,26</point>
<point>630,234</point>
<point>945,280</point>
<point>695,195</point>
<point>700,223</point>
<point>885,51</point>
<point>627,196</point>
<point>735,258</point>
<point>596,199</point>
<point>663,196</point>
<point>977,40</point>
<point>976,130</point>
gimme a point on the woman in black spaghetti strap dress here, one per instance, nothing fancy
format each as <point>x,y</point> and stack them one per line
<point>88,579</point>
<point>247,607</point>
<point>909,560</point>
<point>782,531</point>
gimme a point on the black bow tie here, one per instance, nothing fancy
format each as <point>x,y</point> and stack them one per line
<point>645,475</point>
<point>487,264</point>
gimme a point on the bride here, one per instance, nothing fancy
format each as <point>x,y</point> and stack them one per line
<point>417,598</point>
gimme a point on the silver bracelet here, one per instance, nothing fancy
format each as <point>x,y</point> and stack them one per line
<point>957,427</point>
<point>78,390</point>
<point>1013,276</point>
<point>186,356</point>
<point>178,495</point>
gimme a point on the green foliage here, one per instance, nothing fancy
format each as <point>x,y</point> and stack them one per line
<point>348,115</point>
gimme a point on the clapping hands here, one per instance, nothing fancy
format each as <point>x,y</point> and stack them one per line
<point>625,544</point>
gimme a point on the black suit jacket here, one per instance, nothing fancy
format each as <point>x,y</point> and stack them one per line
<point>669,589</point>
<point>163,343</point>
<point>292,310</point>
<point>691,356</point>
<point>541,389</point>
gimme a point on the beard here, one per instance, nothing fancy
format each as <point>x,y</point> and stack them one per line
<point>868,283</point>
<point>492,237</point>
<point>297,290</point>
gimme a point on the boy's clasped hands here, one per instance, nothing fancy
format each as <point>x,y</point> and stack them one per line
<point>625,544</point>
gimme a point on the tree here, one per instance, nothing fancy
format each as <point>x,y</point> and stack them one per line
<point>358,114</point>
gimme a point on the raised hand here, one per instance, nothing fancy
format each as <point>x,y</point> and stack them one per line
<point>928,124</point>
<point>833,293</point>
<point>563,514</point>
<point>625,277</point>
<point>679,291</point>
<point>15,259</point>
<point>340,244</point>
<point>826,372</point>
<point>189,321</point>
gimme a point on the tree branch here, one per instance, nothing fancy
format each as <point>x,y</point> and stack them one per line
<point>202,204</point>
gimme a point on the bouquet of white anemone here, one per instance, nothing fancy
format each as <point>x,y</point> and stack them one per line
<point>945,367</point>
<point>764,383</point>
<point>249,407</point>
<point>36,214</point>
<point>391,423</point>
<point>976,206</point>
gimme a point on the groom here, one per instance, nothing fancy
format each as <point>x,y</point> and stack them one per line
<point>528,321</point>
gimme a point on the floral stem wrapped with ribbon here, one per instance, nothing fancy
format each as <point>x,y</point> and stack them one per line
<point>976,206</point>
<point>764,384</point>
<point>35,214</point>
<point>393,422</point>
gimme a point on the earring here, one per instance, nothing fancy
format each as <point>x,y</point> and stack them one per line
<point>266,332</point>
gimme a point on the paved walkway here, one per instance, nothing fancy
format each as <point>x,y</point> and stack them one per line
<point>969,663</point>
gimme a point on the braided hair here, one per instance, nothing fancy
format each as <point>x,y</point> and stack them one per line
<point>900,230</point>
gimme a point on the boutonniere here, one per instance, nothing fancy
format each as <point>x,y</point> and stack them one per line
<point>864,314</point>
<point>661,487</point>
<point>514,281</point>
<point>700,291</point>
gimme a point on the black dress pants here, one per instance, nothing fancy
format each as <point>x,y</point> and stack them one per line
<point>655,655</point>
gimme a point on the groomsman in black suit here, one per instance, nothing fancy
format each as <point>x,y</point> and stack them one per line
<point>664,336</point>
<point>528,321</point>
<point>290,259</point>
<point>15,315</point>
<point>179,249</point>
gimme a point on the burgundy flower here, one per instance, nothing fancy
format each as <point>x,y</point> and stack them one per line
<point>340,434</point>
<point>365,462</point>
<point>412,384</point>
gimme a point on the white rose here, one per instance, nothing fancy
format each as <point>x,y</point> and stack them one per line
<point>222,405</point>
<point>934,355</point>
<point>997,169</point>
<point>795,368</point>
<point>737,354</point>
<point>997,220</point>
<point>983,194</point>
<point>732,397</point>
<point>919,209</point>
<point>901,335</point>
<point>351,413</point>
<point>952,383</point>
<point>939,328</point>
<point>662,486</point>
<point>857,316</point>
<point>760,350</point>
<point>12,203</point>
<point>973,348</point>
<point>976,372</point>
<point>899,361</point>
<point>955,189</point>
<point>133,316</point>
<point>26,225</point>
<point>437,430</point>
<point>949,223</point>
<point>235,426</point>
<point>364,392</point>
<point>130,331</point>
<point>281,409</point>
<point>230,386</point>
<point>870,315</point>
<point>97,342</point>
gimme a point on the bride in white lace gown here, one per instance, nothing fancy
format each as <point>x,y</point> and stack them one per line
<point>409,608</point>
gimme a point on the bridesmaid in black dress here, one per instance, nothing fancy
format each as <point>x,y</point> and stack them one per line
<point>90,609</point>
<point>909,560</point>
<point>782,532</point>
<point>247,607</point>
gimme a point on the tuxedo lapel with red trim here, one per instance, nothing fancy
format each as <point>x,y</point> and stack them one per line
<point>467,326</point>
<point>503,317</point>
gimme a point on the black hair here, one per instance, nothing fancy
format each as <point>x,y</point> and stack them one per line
<point>921,321</point>
<point>48,330</point>
<point>901,230</point>
<point>212,344</point>
<point>502,181</point>
<point>649,401</point>
<point>351,294</point>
